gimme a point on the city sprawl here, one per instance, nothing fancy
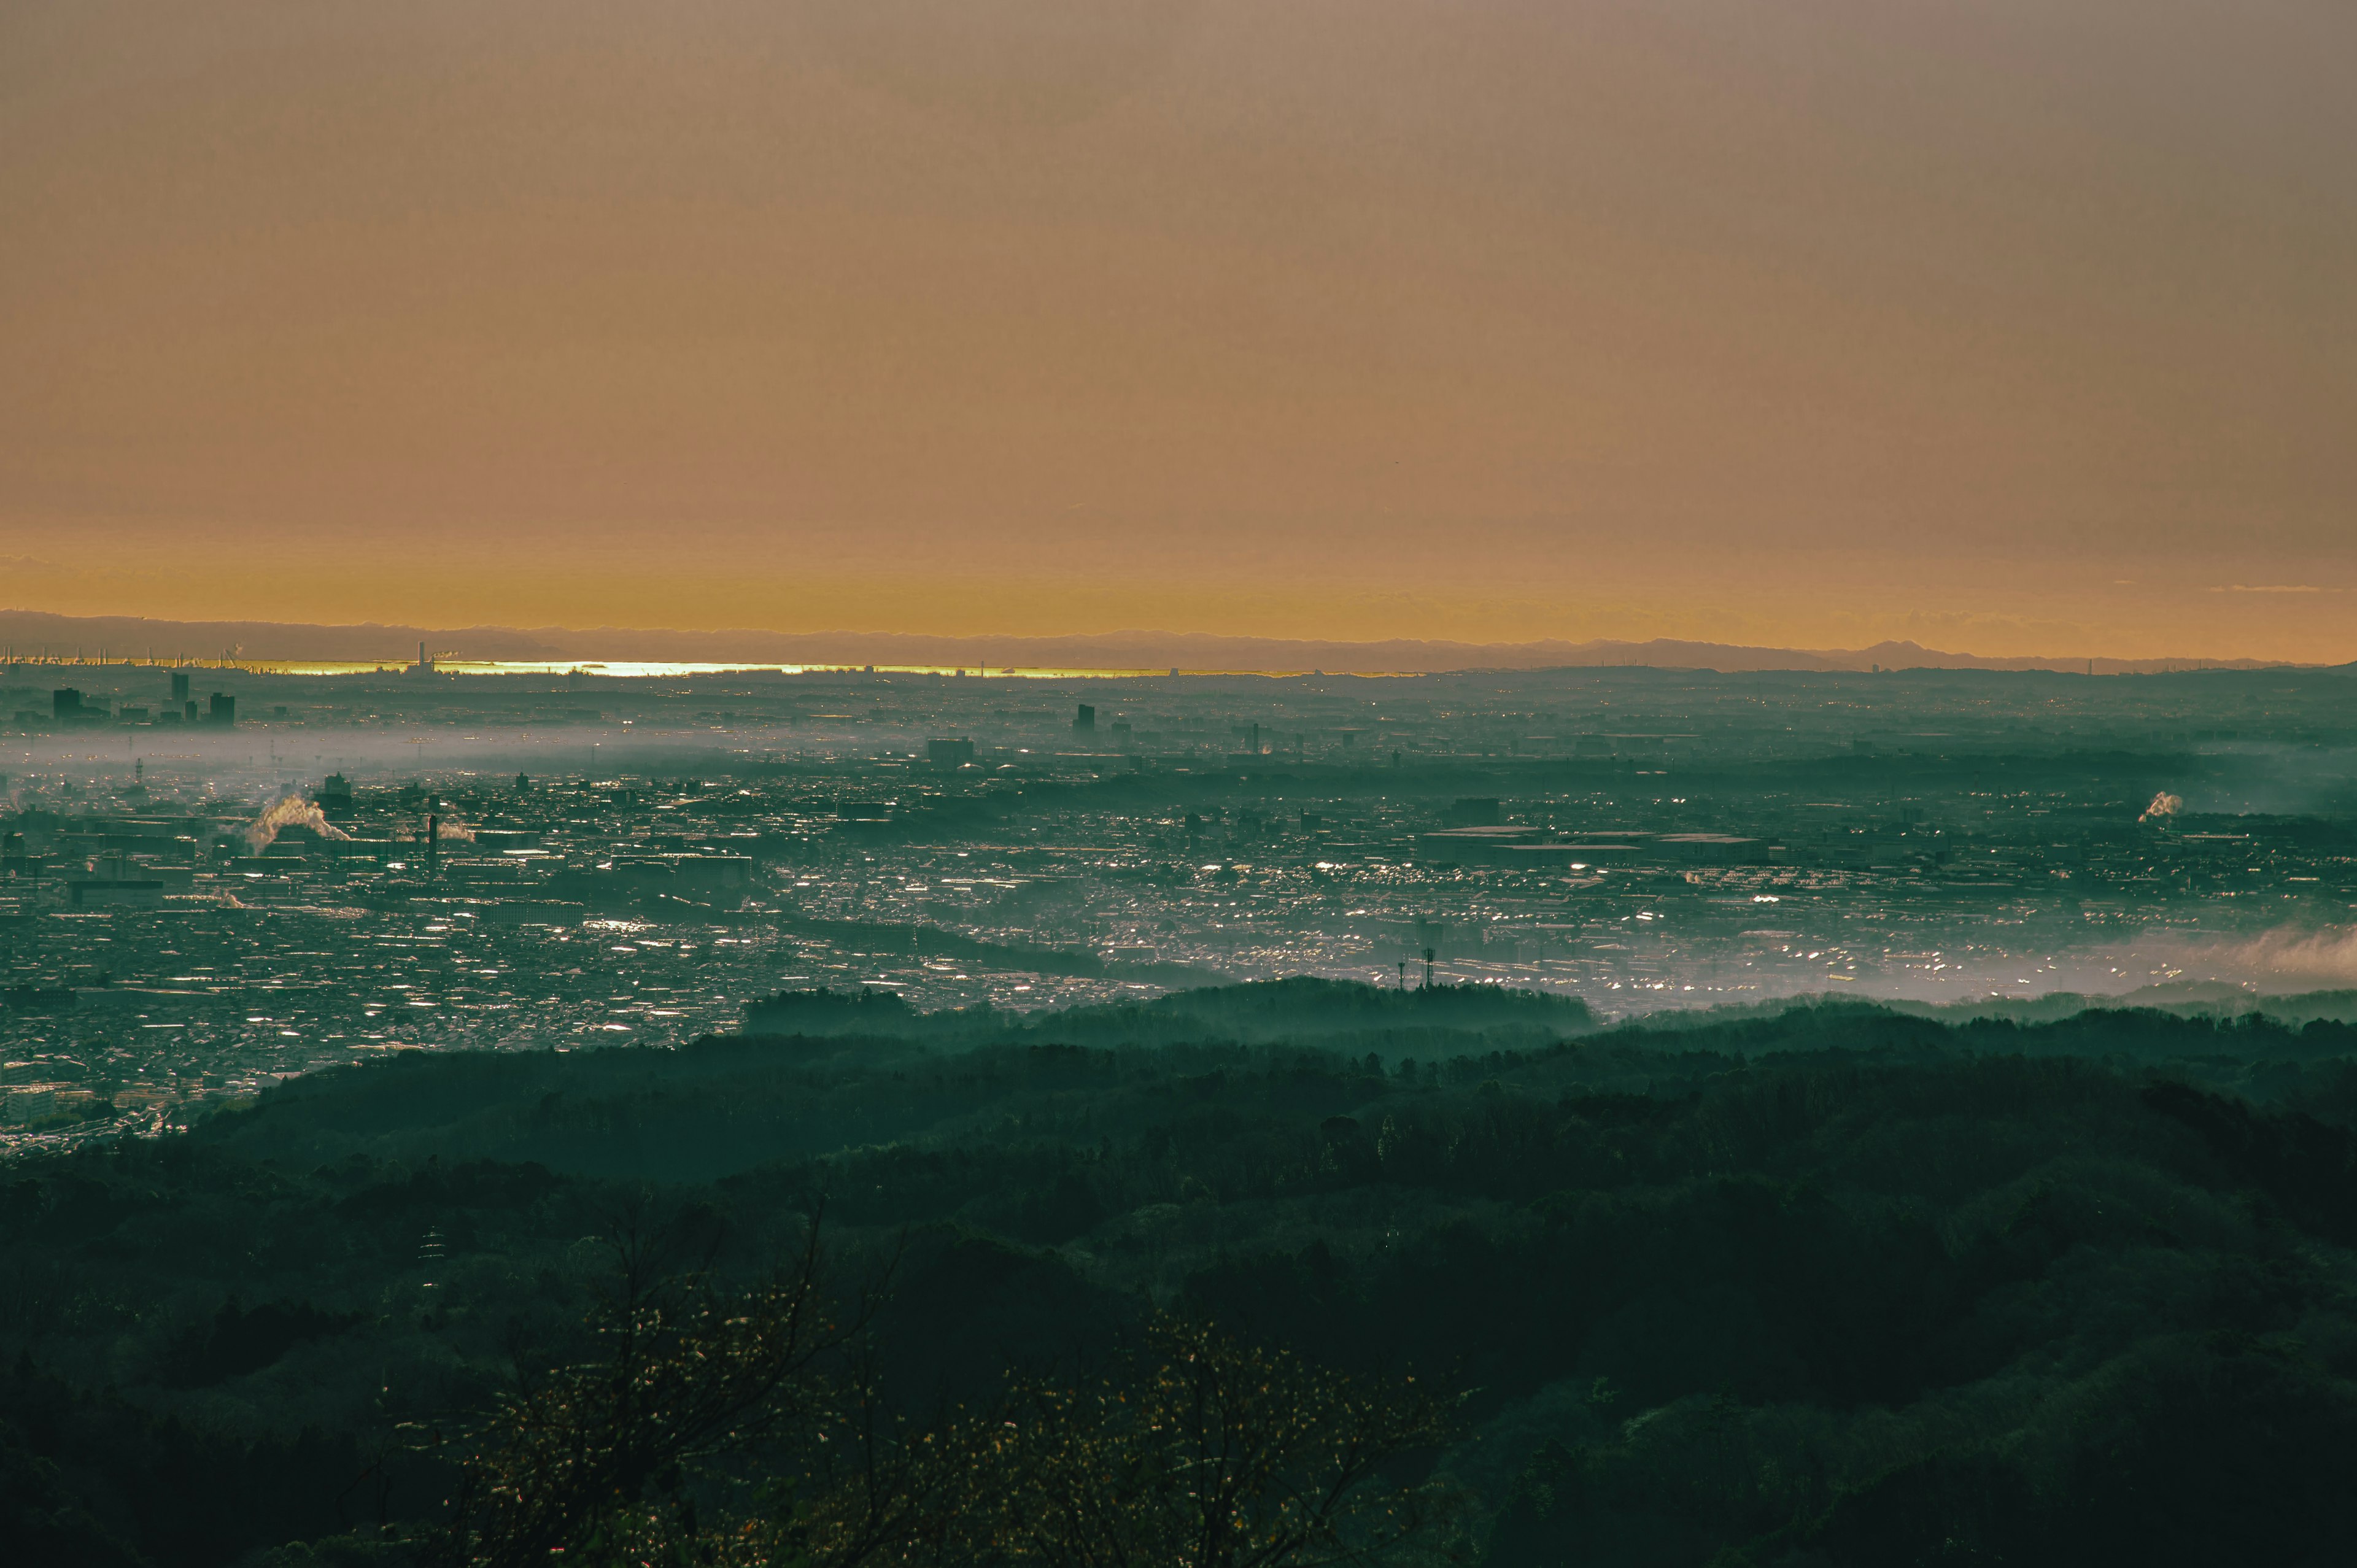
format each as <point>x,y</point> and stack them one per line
<point>201,894</point>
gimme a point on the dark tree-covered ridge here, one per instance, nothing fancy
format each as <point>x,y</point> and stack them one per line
<point>1829,1284</point>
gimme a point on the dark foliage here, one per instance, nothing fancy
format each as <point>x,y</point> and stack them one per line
<point>90,1478</point>
<point>239,1342</point>
<point>1819,1285</point>
<point>2298,1161</point>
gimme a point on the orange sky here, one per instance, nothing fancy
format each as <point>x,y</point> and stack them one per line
<point>2010,326</point>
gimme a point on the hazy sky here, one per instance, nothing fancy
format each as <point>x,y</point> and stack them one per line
<point>2013,326</point>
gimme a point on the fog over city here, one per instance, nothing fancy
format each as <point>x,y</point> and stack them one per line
<point>216,876</point>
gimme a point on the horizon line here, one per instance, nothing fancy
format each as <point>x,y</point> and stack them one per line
<point>982,641</point>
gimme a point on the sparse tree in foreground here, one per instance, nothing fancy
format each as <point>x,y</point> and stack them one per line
<point>597,1462</point>
<point>1198,1451</point>
<point>1209,1453</point>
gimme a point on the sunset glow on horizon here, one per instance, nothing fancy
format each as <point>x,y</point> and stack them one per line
<point>2007,329</point>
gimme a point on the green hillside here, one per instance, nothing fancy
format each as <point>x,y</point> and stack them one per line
<point>1833,1284</point>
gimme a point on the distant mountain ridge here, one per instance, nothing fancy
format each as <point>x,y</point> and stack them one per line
<point>27,632</point>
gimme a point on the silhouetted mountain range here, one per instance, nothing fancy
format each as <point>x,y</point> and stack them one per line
<point>26,632</point>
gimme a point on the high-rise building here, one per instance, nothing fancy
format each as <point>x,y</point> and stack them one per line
<point>1086,718</point>
<point>223,710</point>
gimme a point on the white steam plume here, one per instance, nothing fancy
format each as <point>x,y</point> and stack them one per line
<point>289,811</point>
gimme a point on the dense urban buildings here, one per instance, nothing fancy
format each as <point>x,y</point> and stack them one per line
<point>326,866</point>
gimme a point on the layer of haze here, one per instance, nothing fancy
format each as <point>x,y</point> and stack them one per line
<point>2011,326</point>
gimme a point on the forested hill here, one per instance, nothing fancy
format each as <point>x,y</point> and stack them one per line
<point>1831,1285</point>
<point>863,1069</point>
<point>1305,1011</point>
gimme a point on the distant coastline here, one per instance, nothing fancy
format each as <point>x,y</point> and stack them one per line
<point>30,635</point>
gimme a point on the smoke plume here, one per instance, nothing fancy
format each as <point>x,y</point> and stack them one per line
<point>290,811</point>
<point>2164,806</point>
